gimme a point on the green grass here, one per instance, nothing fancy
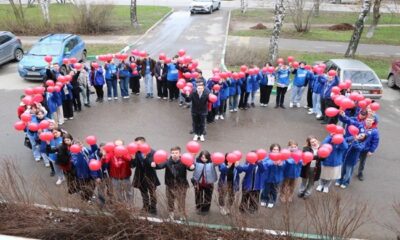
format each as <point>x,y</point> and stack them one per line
<point>61,14</point>
<point>266,16</point>
<point>95,49</point>
<point>384,35</point>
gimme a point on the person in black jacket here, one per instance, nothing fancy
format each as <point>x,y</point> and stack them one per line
<point>175,181</point>
<point>160,72</point>
<point>145,178</point>
<point>199,99</point>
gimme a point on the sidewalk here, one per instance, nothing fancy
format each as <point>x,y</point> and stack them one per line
<point>316,46</point>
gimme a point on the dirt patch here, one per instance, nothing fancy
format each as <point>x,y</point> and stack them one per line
<point>341,27</point>
<point>259,26</point>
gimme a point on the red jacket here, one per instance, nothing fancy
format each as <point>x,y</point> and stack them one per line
<point>119,167</point>
<point>20,111</point>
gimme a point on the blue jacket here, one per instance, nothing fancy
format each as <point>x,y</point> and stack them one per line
<point>336,156</point>
<point>372,141</point>
<point>283,76</point>
<point>123,71</point>
<point>353,152</point>
<point>252,83</point>
<point>292,169</point>
<point>264,79</point>
<point>300,79</point>
<point>98,77</point>
<point>30,133</point>
<point>54,144</point>
<point>80,161</point>
<point>224,91</point>
<point>172,74</point>
<point>209,171</point>
<point>52,102</point>
<point>111,70</point>
<point>96,155</point>
<point>327,88</point>
<point>351,121</point>
<point>252,172</point>
<point>318,83</point>
<point>223,169</point>
<point>234,87</point>
<point>273,173</point>
<point>66,96</point>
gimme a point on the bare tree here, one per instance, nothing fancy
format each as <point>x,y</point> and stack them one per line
<point>359,27</point>
<point>300,17</point>
<point>376,15</point>
<point>273,43</point>
<point>243,5</point>
<point>18,11</point>
<point>44,7</point>
<point>316,8</point>
<point>134,20</point>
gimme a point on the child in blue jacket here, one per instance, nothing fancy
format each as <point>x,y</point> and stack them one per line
<point>316,95</point>
<point>272,178</point>
<point>228,185</point>
<point>267,82</point>
<point>291,172</point>
<point>283,80</point>
<point>223,96</point>
<point>234,93</point>
<point>253,86</point>
<point>299,82</point>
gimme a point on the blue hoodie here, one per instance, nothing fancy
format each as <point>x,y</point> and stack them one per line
<point>98,79</point>
<point>283,76</point>
<point>327,88</point>
<point>81,163</point>
<point>353,152</point>
<point>252,83</point>
<point>234,87</point>
<point>172,72</point>
<point>273,173</point>
<point>52,102</point>
<point>336,157</point>
<point>292,169</point>
<point>111,70</point>
<point>300,79</point>
<point>223,169</point>
<point>318,83</point>
<point>248,184</point>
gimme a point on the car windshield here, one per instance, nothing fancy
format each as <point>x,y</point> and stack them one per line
<point>360,77</point>
<point>46,49</point>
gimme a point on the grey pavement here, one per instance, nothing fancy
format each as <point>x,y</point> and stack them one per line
<point>316,46</point>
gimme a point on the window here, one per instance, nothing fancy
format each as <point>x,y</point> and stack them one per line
<point>360,77</point>
<point>4,39</point>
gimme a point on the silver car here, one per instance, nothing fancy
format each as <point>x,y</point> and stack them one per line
<point>10,47</point>
<point>363,78</point>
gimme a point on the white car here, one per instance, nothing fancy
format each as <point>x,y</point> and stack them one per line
<point>204,6</point>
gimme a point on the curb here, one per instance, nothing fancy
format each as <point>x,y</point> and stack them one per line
<point>126,49</point>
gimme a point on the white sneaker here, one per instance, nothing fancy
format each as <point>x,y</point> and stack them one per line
<point>71,118</point>
<point>116,98</point>
<point>216,117</point>
<point>37,159</point>
<point>265,105</point>
<point>343,186</point>
<point>230,110</point>
<point>298,105</point>
<point>196,137</point>
<point>319,188</point>
<point>171,216</point>
<point>109,99</point>
<point>263,204</point>
<point>318,116</point>
<point>290,104</point>
<point>227,211</point>
<point>270,205</point>
<point>235,110</point>
<point>337,184</point>
<point>222,211</point>
<point>310,112</point>
<point>221,117</point>
<point>59,181</point>
<point>202,138</point>
<point>47,164</point>
<point>326,190</point>
<point>306,107</point>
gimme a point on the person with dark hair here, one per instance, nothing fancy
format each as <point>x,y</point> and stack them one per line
<point>55,143</point>
<point>76,97</point>
<point>111,80</point>
<point>124,73</point>
<point>291,172</point>
<point>160,73</point>
<point>172,79</point>
<point>175,181</point>
<point>326,100</point>
<point>145,178</point>
<point>228,185</point>
<point>67,105</point>
<point>203,180</point>
<point>267,82</point>
<point>282,83</point>
<point>299,82</point>
<point>147,72</point>
<point>97,80</point>
<point>134,80</point>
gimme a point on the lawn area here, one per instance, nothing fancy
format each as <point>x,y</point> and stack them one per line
<point>62,15</point>
<point>95,49</point>
<point>383,35</point>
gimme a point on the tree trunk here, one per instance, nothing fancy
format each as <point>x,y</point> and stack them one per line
<point>18,13</point>
<point>44,6</point>
<point>243,6</point>
<point>273,43</point>
<point>134,20</point>
<point>316,8</point>
<point>375,18</point>
<point>359,27</point>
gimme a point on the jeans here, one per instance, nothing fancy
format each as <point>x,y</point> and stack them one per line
<point>148,82</point>
<point>76,98</point>
<point>270,192</point>
<point>124,85</point>
<point>222,108</point>
<point>307,184</point>
<point>233,102</point>
<point>35,147</point>
<point>45,157</point>
<point>317,104</point>
<point>297,93</point>
<point>252,97</point>
<point>199,123</point>
<point>363,159</point>
<point>112,88</point>
<point>347,173</point>
<point>58,116</point>
<point>280,95</point>
<point>84,94</point>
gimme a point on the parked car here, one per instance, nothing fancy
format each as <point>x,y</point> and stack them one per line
<point>204,6</point>
<point>10,47</point>
<point>394,75</point>
<point>363,78</point>
<point>59,46</point>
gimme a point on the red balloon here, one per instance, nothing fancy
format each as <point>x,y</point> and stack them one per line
<point>195,75</point>
<point>187,89</point>
<point>78,66</point>
<point>187,159</point>
<point>180,84</point>
<point>347,103</point>
<point>187,75</point>
<point>27,100</point>
<point>297,155</point>
<point>331,112</point>
<point>132,148</point>
<point>323,152</point>
<point>48,59</point>
<point>212,98</point>
<point>44,124</point>
<point>238,154</point>
<point>275,156</point>
<point>33,127</point>
<point>160,156</point>
<point>46,136</point>
<point>235,75</point>
<point>73,60</point>
<point>187,59</point>
<point>353,130</point>
<point>49,83</point>
<point>338,100</point>
<point>280,61</point>
<point>374,106</point>
<point>336,90</point>
<point>232,158</point>
<point>307,157</point>
<point>95,65</point>
<point>342,85</point>
<point>26,117</point>
<point>241,75</point>
<point>109,147</point>
<point>271,70</point>
<point>68,78</point>
<point>120,151</point>
<point>168,60</point>
<point>251,157</point>
<point>323,66</point>
<point>39,90</point>
<point>295,64</point>
<point>38,98</point>
<point>307,67</point>
<point>216,78</point>
<point>261,154</point>
<point>60,78</point>
<point>339,130</point>
<point>223,75</point>
<point>91,140</point>
<point>354,96</point>
<point>75,148</point>
<point>285,154</point>
<point>135,52</point>
<point>65,61</point>
<point>337,139</point>
<point>217,158</point>
<point>328,146</point>
<point>216,87</point>
<point>332,73</point>
<point>368,100</point>
<point>144,148</point>
<point>94,165</point>
<point>189,84</point>
<point>162,56</point>
<point>290,59</point>
<point>348,83</point>
<point>28,91</point>
<point>19,126</point>
<point>57,88</point>
<point>264,70</point>
<point>243,68</point>
<point>193,147</point>
<point>181,53</point>
<point>331,128</point>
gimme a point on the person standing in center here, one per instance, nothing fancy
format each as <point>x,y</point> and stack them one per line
<point>283,79</point>
<point>199,99</point>
<point>148,65</point>
<point>161,79</point>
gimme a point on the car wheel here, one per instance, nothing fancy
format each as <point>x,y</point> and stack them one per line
<point>219,6</point>
<point>18,54</point>
<point>191,12</point>
<point>84,55</point>
<point>63,70</point>
<point>211,9</point>
<point>391,82</point>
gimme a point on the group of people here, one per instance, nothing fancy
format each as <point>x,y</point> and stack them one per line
<point>262,182</point>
